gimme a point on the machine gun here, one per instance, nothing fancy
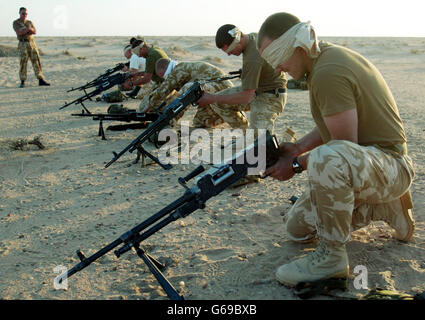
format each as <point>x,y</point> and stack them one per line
<point>207,185</point>
<point>141,117</point>
<point>191,96</point>
<point>103,85</point>
<point>102,77</point>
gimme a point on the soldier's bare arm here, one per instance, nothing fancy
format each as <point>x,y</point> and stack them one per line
<point>21,31</point>
<point>142,79</point>
<point>343,125</point>
<point>242,97</point>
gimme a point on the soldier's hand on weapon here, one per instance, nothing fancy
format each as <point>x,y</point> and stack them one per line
<point>127,85</point>
<point>283,169</point>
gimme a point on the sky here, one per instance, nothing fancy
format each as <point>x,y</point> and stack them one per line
<point>363,18</point>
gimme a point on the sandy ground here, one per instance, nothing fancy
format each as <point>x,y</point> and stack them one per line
<point>59,199</point>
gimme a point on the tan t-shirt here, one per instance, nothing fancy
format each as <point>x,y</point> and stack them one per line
<point>342,79</point>
<point>256,72</point>
<point>17,24</point>
<point>154,54</point>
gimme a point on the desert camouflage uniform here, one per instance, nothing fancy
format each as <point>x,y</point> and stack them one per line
<point>264,109</point>
<point>349,186</point>
<point>179,80</point>
<point>28,50</point>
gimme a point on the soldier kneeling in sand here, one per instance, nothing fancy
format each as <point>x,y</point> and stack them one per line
<point>178,77</point>
<point>152,54</point>
<point>137,64</point>
<point>355,158</point>
<point>263,92</point>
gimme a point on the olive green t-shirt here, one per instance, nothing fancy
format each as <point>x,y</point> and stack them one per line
<point>256,72</point>
<point>17,24</point>
<point>154,54</point>
<point>342,79</point>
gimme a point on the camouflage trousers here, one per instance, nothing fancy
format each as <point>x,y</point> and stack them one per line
<point>205,117</point>
<point>28,50</point>
<point>348,185</point>
<point>264,109</point>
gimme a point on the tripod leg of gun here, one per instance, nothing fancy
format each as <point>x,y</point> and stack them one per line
<point>87,94</point>
<point>142,152</point>
<point>101,131</point>
<point>165,284</point>
<point>84,107</point>
<point>156,262</point>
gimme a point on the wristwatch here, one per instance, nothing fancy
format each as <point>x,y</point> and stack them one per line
<point>296,166</point>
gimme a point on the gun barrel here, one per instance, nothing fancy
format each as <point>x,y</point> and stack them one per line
<point>138,141</point>
<point>76,101</point>
<point>115,158</point>
<point>172,207</point>
<point>127,237</point>
<point>133,145</point>
<point>208,185</point>
<point>175,107</point>
<point>89,260</point>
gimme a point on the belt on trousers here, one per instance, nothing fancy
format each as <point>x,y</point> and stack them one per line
<point>276,91</point>
<point>399,148</point>
<point>24,40</point>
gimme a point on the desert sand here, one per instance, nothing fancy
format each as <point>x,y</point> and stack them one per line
<point>61,198</point>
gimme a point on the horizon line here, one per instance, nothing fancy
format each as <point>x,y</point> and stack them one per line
<point>323,36</point>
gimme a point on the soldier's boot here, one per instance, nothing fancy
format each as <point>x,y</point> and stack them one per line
<point>399,217</point>
<point>42,82</point>
<point>22,84</point>
<point>134,92</point>
<point>325,262</point>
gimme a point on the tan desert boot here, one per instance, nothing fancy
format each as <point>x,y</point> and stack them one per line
<point>324,262</point>
<point>404,223</point>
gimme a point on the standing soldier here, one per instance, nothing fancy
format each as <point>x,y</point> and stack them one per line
<point>27,48</point>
